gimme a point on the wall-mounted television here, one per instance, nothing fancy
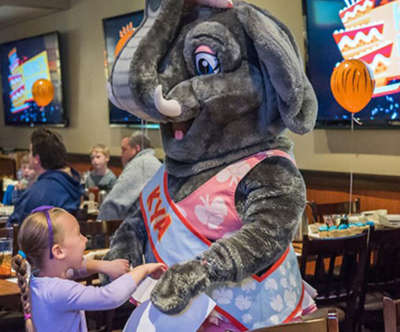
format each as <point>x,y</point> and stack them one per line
<point>115,28</point>
<point>361,29</point>
<point>22,63</point>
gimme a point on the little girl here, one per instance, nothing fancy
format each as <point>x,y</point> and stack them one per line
<point>50,240</point>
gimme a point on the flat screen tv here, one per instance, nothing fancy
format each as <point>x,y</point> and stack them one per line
<point>115,28</point>
<point>22,63</point>
<point>361,29</point>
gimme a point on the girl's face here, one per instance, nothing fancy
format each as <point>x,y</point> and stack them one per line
<point>74,243</point>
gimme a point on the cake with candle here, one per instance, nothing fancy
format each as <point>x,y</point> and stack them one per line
<point>369,34</point>
<point>15,79</point>
<point>356,13</point>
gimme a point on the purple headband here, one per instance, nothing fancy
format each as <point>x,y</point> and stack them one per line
<point>45,209</point>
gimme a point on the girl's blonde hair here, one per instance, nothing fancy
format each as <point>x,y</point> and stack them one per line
<point>101,148</point>
<point>33,240</point>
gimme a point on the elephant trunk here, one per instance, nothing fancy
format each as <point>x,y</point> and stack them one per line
<point>134,78</point>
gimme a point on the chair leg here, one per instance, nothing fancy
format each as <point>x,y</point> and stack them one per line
<point>389,314</point>
<point>109,320</point>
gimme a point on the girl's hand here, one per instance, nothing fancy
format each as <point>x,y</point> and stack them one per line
<point>116,268</point>
<point>212,3</point>
<point>156,270</point>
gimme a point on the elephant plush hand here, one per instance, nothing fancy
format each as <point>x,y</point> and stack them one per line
<point>179,285</point>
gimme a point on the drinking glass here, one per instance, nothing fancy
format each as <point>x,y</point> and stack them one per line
<point>6,247</point>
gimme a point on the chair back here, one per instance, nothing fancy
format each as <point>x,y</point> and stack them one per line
<point>8,167</point>
<point>106,228</point>
<point>321,210</point>
<point>15,241</point>
<point>384,269</point>
<point>336,268</point>
<point>391,314</point>
<point>325,324</point>
<point>92,228</point>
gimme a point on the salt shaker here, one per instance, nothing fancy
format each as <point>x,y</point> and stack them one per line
<point>102,195</point>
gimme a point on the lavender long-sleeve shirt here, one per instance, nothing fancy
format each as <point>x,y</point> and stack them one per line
<point>59,304</point>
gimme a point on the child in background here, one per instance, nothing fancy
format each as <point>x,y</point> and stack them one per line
<point>26,176</point>
<point>101,176</point>
<point>50,240</point>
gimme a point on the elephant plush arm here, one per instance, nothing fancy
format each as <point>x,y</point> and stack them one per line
<point>270,208</point>
<point>129,239</point>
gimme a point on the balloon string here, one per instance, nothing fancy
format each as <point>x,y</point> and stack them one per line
<point>143,132</point>
<point>357,121</point>
<point>351,168</point>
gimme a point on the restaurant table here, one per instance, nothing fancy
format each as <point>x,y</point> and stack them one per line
<point>9,295</point>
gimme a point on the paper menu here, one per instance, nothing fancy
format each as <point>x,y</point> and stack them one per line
<point>143,291</point>
<point>146,317</point>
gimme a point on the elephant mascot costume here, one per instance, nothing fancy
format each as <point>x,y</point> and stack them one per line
<point>224,84</point>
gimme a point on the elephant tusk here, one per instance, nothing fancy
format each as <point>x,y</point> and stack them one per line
<point>166,107</point>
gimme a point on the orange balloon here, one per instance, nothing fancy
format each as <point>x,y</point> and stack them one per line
<point>352,85</point>
<point>43,92</point>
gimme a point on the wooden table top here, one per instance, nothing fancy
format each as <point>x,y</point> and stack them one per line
<point>8,288</point>
<point>9,295</point>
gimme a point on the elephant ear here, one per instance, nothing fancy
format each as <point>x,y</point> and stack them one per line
<point>281,62</point>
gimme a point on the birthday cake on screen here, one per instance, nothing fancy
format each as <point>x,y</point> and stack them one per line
<point>371,33</point>
<point>15,79</point>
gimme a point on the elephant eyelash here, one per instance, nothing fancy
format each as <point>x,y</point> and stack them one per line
<point>206,63</point>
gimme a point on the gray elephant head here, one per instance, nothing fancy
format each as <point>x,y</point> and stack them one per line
<point>218,80</point>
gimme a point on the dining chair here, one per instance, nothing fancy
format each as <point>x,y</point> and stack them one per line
<point>82,214</point>
<point>15,238</point>
<point>335,267</point>
<point>99,320</point>
<point>8,167</point>
<point>106,229</point>
<point>383,268</point>
<point>382,274</point>
<point>3,222</point>
<point>320,210</point>
<point>325,324</point>
<point>391,314</point>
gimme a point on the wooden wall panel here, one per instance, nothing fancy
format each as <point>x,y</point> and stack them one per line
<point>81,162</point>
<point>374,191</point>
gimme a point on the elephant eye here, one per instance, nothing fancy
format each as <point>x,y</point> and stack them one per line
<point>206,63</point>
